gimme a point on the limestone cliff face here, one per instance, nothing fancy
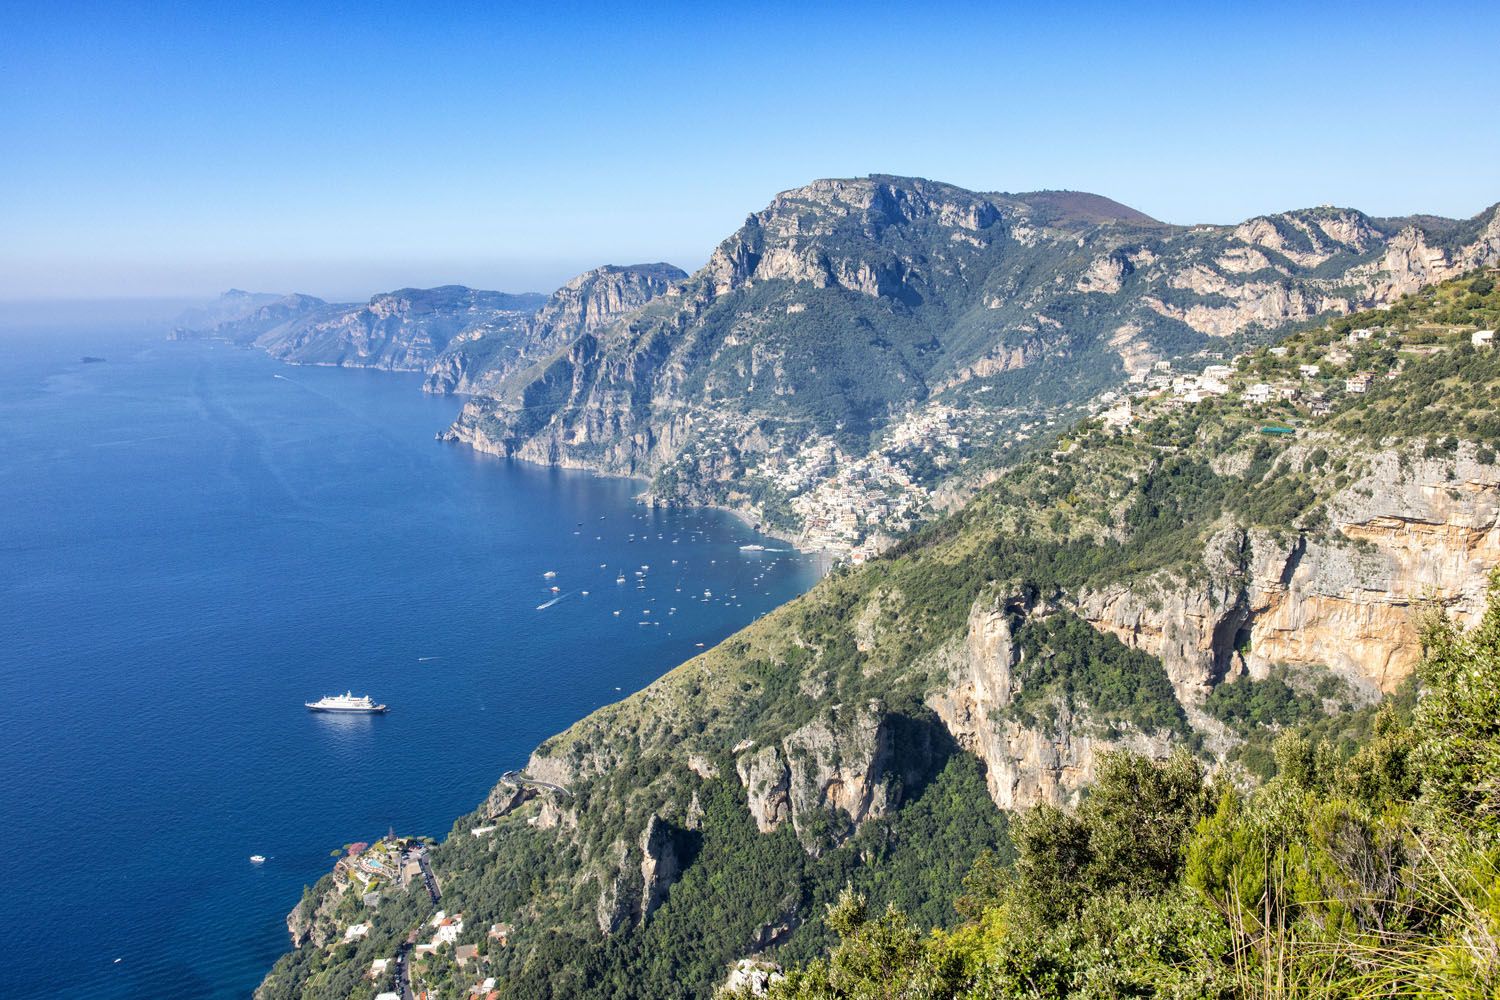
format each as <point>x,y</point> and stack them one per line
<point>478,359</point>
<point>1024,765</point>
<point>660,864</point>
<point>595,299</point>
<point>847,302</point>
<point>1346,598</point>
<point>830,773</point>
<point>636,878</point>
<point>1273,270</point>
<point>1410,262</point>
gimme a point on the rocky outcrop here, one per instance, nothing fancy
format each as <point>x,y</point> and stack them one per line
<point>660,864</point>
<point>828,776</point>
<point>629,897</point>
<point>1407,533</point>
<point>763,773</point>
<point>311,921</point>
<point>751,977</point>
<point>615,906</point>
<point>478,359</point>
<point>597,298</point>
<point>1024,765</point>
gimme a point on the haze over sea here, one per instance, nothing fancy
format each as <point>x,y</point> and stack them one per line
<point>194,540</point>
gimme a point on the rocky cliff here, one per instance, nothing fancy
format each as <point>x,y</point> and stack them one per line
<point>1407,533</point>
<point>479,358</point>
<point>835,768</point>
<point>846,305</point>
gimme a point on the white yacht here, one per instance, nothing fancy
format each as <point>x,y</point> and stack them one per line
<point>346,702</point>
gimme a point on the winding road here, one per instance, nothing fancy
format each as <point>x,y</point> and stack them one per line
<point>517,778</point>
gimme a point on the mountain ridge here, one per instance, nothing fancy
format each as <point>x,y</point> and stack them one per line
<point>849,305</point>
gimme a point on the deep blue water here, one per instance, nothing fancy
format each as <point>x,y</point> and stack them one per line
<point>194,540</point>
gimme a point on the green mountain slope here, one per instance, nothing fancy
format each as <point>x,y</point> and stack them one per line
<point>849,309</point>
<point>1217,562</point>
<point>1363,868</point>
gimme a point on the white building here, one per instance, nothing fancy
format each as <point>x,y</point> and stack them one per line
<point>449,930</point>
<point>1358,383</point>
<point>1309,371</point>
<point>1483,338</point>
<point>356,931</point>
<point>1260,392</point>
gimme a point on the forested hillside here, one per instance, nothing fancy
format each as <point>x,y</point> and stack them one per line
<point>1206,606</point>
<point>1363,868</point>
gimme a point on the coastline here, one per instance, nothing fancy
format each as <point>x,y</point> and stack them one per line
<point>635,492</point>
<point>454,434</point>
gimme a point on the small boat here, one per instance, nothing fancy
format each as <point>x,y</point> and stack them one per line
<point>549,574</point>
<point>346,703</point>
<point>752,548</point>
<point>257,859</point>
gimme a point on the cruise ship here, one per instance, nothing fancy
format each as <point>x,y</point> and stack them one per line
<point>346,702</point>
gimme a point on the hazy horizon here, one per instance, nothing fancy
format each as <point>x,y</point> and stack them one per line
<point>159,154</point>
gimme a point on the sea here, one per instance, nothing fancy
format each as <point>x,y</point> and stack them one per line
<point>195,540</point>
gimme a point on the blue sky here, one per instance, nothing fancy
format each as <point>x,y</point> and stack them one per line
<point>165,150</point>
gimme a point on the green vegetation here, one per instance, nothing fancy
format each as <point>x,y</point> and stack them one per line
<point>1189,502</point>
<point>1372,874</point>
<point>1068,662</point>
<point>1248,704</point>
<point>1444,388</point>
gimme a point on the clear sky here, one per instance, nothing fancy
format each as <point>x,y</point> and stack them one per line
<point>341,149</point>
